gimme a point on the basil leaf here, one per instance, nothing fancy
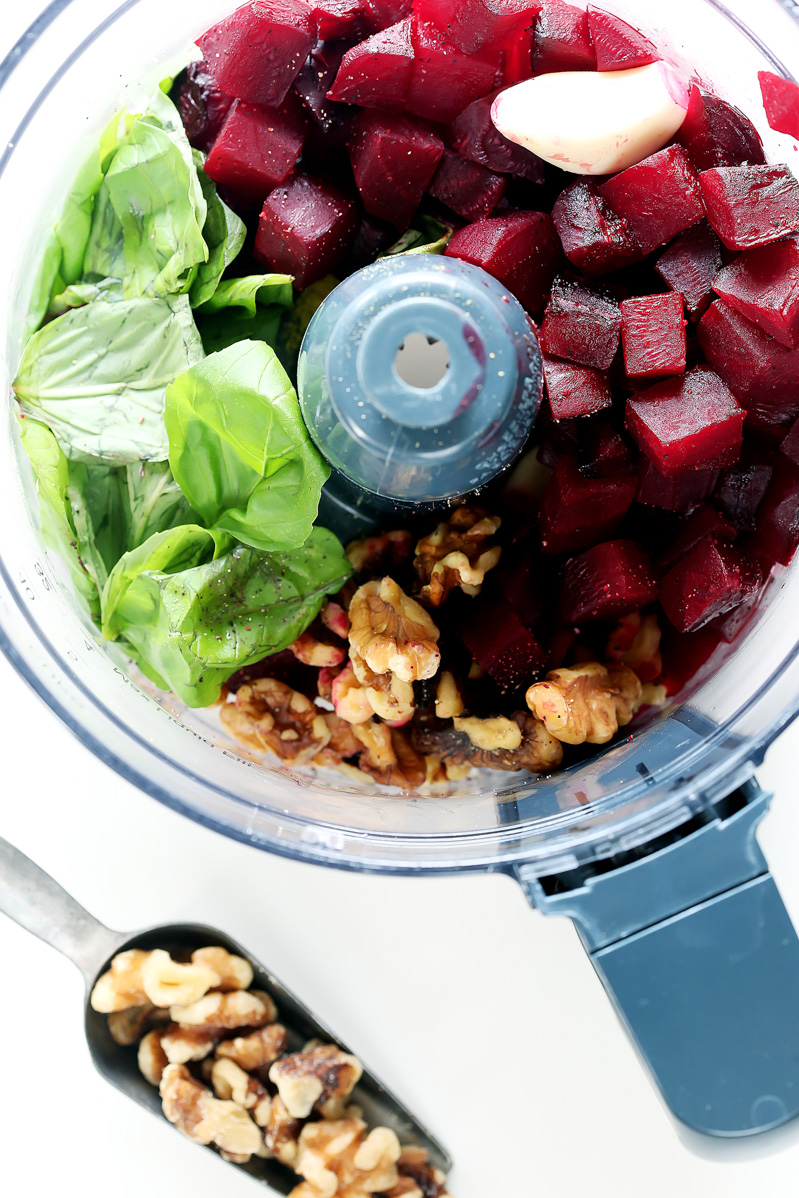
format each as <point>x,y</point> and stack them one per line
<point>431,238</point>
<point>224,234</point>
<point>153,502</point>
<point>240,451</point>
<point>225,329</point>
<point>97,376</point>
<point>196,611</point>
<point>247,293</point>
<point>236,313</point>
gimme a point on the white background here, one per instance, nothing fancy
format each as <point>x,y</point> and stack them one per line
<point>485,1017</point>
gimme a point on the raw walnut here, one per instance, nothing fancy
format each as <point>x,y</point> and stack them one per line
<point>314,652</point>
<point>376,555</point>
<point>282,1132</point>
<point>338,1162</point>
<point>122,986</point>
<point>392,633</point>
<point>127,1027</point>
<point>458,554</point>
<point>349,698</point>
<point>241,1008</point>
<point>270,715</point>
<point>489,744</point>
<point>418,1178</point>
<point>342,745</point>
<point>587,704</point>
<point>388,696</point>
<point>389,757</point>
<point>137,977</point>
<point>322,1077</point>
<point>448,698</point>
<point>205,1119</point>
<point>231,1082</point>
<point>636,643</point>
<point>232,972</point>
<point>152,1058</point>
<point>183,1044</point>
<point>256,1050</point>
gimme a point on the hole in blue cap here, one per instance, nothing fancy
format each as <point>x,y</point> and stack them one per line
<point>422,361</point>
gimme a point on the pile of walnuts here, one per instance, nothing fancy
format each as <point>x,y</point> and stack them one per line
<point>213,1047</point>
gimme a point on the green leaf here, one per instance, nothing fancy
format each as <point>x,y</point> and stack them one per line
<point>430,238</point>
<point>223,232</point>
<point>51,471</point>
<point>97,376</point>
<point>150,211</point>
<point>77,295</point>
<point>196,611</point>
<point>153,502</point>
<point>239,449</point>
<point>247,293</point>
<point>246,309</point>
<point>218,332</point>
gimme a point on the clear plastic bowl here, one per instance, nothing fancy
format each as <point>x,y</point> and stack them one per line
<point>81,60</point>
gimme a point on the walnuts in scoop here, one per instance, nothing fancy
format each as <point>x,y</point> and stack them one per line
<point>587,704</point>
<point>392,633</point>
<point>137,977</point>
<point>338,1162</point>
<point>320,1077</point>
<point>458,553</point>
<point>205,1119</point>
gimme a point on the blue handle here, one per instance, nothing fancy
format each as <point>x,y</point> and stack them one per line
<point>694,946</point>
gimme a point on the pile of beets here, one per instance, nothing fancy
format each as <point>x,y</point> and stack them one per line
<point>667,295</point>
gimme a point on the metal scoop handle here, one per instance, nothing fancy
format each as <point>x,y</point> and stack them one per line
<point>32,899</point>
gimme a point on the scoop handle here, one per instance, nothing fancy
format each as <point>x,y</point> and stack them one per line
<point>38,904</point>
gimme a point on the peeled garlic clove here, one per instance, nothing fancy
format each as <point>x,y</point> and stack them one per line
<point>591,122</point>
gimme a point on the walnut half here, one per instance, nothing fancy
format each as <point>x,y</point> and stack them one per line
<point>459,553</point>
<point>392,633</point>
<point>587,704</point>
<point>205,1119</point>
<point>268,714</point>
<point>322,1077</point>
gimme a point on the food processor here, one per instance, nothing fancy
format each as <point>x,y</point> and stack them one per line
<point>650,846</point>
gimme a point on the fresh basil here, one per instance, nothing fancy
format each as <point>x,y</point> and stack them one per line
<point>223,232</point>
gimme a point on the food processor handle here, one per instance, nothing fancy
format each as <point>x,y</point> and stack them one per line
<point>696,950</point>
<point>32,899</point>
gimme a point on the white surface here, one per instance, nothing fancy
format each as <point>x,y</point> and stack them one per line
<point>485,1017</point>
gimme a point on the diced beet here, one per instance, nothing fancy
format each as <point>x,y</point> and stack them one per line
<point>305,229</point>
<point>684,654</point>
<point>465,187</point>
<point>562,39</point>
<point>777,534</point>
<point>383,13</point>
<point>203,107</point>
<point>499,641</point>
<point>374,236</point>
<point>677,494</point>
<point>393,159</point>
<point>517,59</point>
<point>577,511</point>
<point>605,582</point>
<point>690,265</point>
<point>781,102</point>
<point>716,134</point>
<point>730,626</point>
<point>653,335</point>
<point>704,521</point>
<point>751,205</point>
<point>618,46</point>
<point>314,82</point>
<point>689,423</point>
<point>789,447</point>
<point>444,80</point>
<point>377,72</point>
<point>740,491</point>
<point>256,53</point>
<point>658,197</point>
<point>521,249</point>
<point>581,324</point>
<point>604,452</point>
<point>473,24</point>
<point>522,578</point>
<point>595,239</point>
<point>476,137</point>
<point>708,581</point>
<point>760,371</point>
<point>340,18</point>
<point>573,390</point>
<point>257,149</point>
<point>763,284</point>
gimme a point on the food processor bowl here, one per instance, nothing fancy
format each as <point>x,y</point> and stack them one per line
<point>649,846</point>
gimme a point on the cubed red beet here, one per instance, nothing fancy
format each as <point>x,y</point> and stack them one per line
<point>618,46</point>
<point>581,324</point>
<point>383,13</point>
<point>607,581</point>
<point>730,626</point>
<point>658,197</point>
<point>498,640</point>
<point>465,187</point>
<point>305,229</point>
<point>690,265</point>
<point>256,53</point>
<point>704,521</point>
<point>603,451</point>
<point>257,149</point>
<point>595,239</point>
<point>203,107</point>
<point>444,80</point>
<point>524,580</point>
<point>377,72</point>
<point>789,447</point>
<point>521,249</point>
<point>781,102</point>
<point>374,236</point>
<point>751,205</point>
<point>517,59</point>
<point>688,423</point>
<point>653,335</point>
<point>763,284</point>
<point>573,390</point>
<point>393,159</point>
<point>777,535</point>
<point>476,137</point>
<point>474,24</point>
<point>708,581</point>
<point>760,371</point>
<point>562,39</point>
<point>740,491</point>
<point>314,82</point>
<point>577,512</point>
<point>340,18</point>
<point>716,134</point>
<point>678,494</point>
